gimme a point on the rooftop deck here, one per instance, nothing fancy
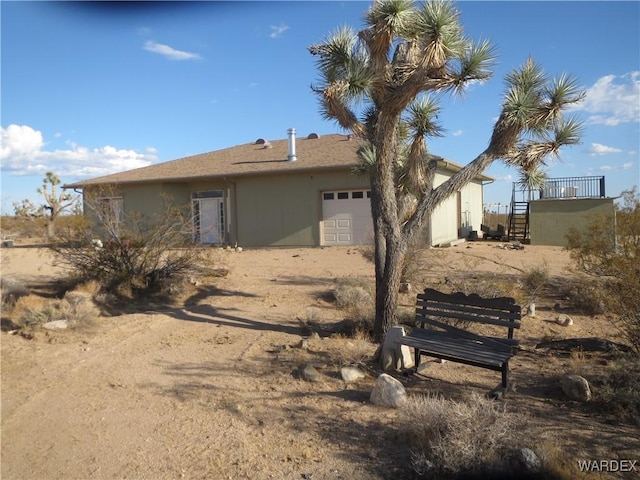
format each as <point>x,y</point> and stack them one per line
<point>563,187</point>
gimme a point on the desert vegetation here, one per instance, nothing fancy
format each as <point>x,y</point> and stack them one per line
<point>608,255</point>
<point>448,432</point>
<point>130,255</point>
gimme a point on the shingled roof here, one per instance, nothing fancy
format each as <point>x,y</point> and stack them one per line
<point>327,152</point>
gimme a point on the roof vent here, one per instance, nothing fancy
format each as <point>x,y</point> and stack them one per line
<point>260,141</point>
<point>292,145</point>
<point>313,136</point>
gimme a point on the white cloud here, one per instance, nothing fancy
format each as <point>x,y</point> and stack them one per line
<point>613,100</point>
<point>21,154</point>
<point>169,52</point>
<point>599,149</point>
<point>627,166</point>
<point>456,133</point>
<point>277,31</point>
<point>19,140</point>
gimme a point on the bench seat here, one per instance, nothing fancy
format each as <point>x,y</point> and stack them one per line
<point>442,330</point>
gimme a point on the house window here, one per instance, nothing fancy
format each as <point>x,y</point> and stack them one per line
<point>357,195</point>
<point>368,193</point>
<point>111,212</point>
<point>343,195</point>
<point>328,196</point>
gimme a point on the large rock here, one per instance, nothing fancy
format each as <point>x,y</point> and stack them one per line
<point>388,392</point>
<point>576,387</point>
<point>393,355</point>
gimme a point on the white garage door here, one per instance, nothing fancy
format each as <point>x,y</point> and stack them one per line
<point>346,217</point>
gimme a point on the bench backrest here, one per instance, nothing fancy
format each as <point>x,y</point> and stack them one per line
<point>451,312</point>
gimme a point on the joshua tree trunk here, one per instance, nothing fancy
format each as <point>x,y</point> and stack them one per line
<point>388,278</point>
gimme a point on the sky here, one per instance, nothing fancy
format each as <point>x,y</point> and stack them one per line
<point>89,89</point>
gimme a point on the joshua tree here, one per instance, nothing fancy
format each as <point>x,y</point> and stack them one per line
<point>55,203</point>
<point>532,180</point>
<point>376,84</point>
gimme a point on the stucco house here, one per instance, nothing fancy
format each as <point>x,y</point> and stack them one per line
<point>290,192</point>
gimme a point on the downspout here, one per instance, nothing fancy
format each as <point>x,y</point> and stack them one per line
<point>234,209</point>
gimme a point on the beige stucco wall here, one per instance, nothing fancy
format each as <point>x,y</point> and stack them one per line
<point>286,209</point>
<point>550,220</point>
<point>447,220</point>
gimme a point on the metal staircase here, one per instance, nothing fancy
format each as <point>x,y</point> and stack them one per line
<point>519,222</point>
<point>518,219</point>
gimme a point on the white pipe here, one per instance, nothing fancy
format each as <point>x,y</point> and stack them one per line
<point>292,145</point>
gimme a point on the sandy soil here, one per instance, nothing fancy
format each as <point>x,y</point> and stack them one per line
<point>210,390</point>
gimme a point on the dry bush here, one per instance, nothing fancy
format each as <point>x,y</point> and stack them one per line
<point>33,310</point>
<point>616,390</point>
<point>355,351</point>
<point>535,279</point>
<point>135,256</point>
<point>11,291</point>
<point>355,297</point>
<point>587,295</point>
<point>413,259</point>
<point>77,308</point>
<point>608,251</point>
<point>451,437</point>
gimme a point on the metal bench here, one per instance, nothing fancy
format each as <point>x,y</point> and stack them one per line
<point>442,330</point>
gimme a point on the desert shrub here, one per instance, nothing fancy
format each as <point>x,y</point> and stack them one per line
<point>535,279</point>
<point>355,351</point>
<point>413,259</point>
<point>586,294</point>
<point>77,308</point>
<point>617,390</point>
<point>133,255</point>
<point>354,296</point>
<point>609,252</point>
<point>11,290</point>
<point>455,437</point>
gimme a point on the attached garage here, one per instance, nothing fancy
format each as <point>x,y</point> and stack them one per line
<point>346,217</point>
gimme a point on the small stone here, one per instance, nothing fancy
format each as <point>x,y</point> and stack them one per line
<point>351,374</point>
<point>527,460</point>
<point>576,387</point>
<point>310,374</point>
<point>304,344</point>
<point>564,320</point>
<point>405,287</point>
<point>388,392</point>
<point>56,325</point>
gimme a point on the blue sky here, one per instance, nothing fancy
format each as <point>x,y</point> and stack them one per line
<point>90,89</point>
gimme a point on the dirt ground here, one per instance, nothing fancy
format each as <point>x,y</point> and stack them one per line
<point>210,390</point>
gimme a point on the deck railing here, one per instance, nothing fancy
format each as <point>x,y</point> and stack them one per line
<point>564,187</point>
